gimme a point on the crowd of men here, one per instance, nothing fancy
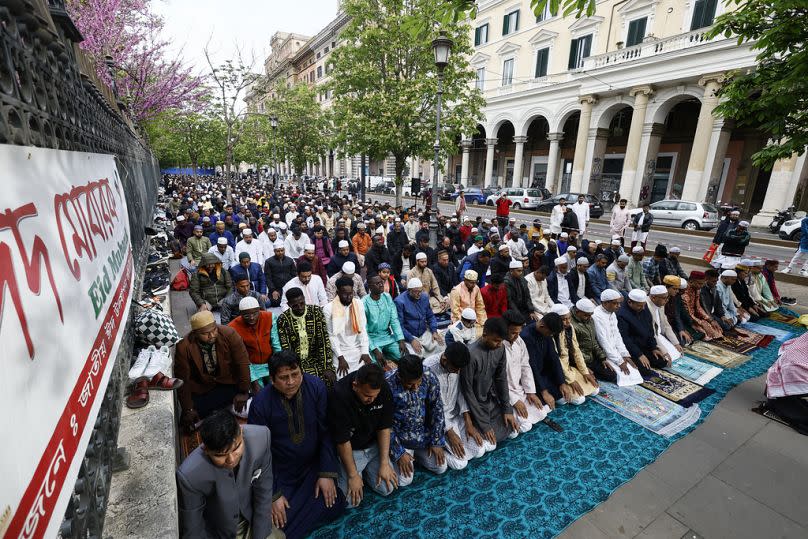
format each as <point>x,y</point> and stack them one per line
<point>387,348</point>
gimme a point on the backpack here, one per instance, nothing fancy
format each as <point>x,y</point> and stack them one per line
<point>181,281</point>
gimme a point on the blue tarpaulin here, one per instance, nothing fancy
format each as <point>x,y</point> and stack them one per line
<point>189,170</point>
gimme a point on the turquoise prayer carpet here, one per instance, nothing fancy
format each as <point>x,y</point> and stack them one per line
<point>537,484</point>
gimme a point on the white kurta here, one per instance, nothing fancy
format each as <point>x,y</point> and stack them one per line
<point>582,212</point>
<point>344,341</point>
<point>542,302</point>
<point>556,216</point>
<point>521,382</point>
<point>564,290</point>
<point>609,338</point>
<point>314,291</point>
<point>255,249</point>
<point>295,248</point>
<point>662,336</point>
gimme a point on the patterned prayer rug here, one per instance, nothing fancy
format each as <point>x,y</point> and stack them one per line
<point>779,316</point>
<point>734,343</point>
<point>716,354</point>
<point>676,388</point>
<point>536,485</point>
<point>756,339</point>
<point>781,335</point>
<point>648,408</point>
<point>694,370</point>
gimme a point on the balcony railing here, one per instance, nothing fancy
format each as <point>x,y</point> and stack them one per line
<point>649,48</point>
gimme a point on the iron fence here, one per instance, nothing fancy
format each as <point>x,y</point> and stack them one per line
<point>50,97</point>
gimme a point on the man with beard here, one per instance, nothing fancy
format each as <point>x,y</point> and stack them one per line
<point>342,255</point>
<point>620,220</point>
<point>347,329</point>
<point>376,255</point>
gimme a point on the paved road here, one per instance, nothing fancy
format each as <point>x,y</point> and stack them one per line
<point>690,245</point>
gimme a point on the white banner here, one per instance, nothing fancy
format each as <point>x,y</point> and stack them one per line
<point>65,286</point>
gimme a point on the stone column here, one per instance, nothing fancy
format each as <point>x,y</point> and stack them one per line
<point>646,163</point>
<point>328,165</point>
<point>552,161</point>
<point>780,185</point>
<point>595,150</point>
<point>448,174</point>
<point>465,146</point>
<point>714,164</point>
<point>517,160</point>
<point>348,166</point>
<point>701,140</point>
<point>489,161</point>
<point>631,161</point>
<point>579,160</point>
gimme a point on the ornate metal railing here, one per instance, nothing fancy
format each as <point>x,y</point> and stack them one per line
<point>51,97</point>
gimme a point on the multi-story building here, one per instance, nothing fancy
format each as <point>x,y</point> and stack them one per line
<point>621,101</point>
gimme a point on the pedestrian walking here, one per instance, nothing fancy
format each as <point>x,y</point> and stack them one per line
<point>620,220</point>
<point>642,224</point>
<point>802,251</point>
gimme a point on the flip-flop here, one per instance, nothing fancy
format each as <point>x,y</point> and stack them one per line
<point>139,397</point>
<point>161,382</point>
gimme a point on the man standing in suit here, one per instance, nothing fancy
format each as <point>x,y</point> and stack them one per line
<point>225,485</point>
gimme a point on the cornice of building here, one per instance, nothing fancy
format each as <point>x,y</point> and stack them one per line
<point>332,29</point>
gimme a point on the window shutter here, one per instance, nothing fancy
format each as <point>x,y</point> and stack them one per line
<point>505,25</point>
<point>587,45</point>
<point>709,12</point>
<point>542,57</point>
<point>573,54</point>
<point>698,15</point>
<point>636,32</point>
<point>516,23</point>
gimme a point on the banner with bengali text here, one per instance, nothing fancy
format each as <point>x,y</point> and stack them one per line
<point>65,285</point>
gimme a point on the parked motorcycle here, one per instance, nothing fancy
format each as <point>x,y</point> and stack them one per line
<point>781,217</point>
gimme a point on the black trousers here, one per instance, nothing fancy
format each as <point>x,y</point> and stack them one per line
<point>603,372</point>
<point>657,363</point>
<point>217,398</point>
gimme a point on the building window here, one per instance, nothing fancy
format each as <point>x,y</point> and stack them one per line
<point>333,44</point>
<point>325,51</point>
<point>507,72</point>
<point>545,13</point>
<point>579,49</point>
<point>311,76</point>
<point>636,32</point>
<point>318,55</point>
<point>510,23</point>
<point>481,35</point>
<point>703,13</point>
<point>319,71</point>
<point>480,82</point>
<point>542,57</point>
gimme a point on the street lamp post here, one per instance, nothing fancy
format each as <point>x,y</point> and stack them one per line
<point>273,121</point>
<point>441,46</point>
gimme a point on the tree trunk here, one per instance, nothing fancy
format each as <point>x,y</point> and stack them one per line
<point>401,163</point>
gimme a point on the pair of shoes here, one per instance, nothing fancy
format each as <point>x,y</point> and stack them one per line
<point>139,397</point>
<point>140,364</point>
<point>788,300</point>
<point>150,362</point>
<point>161,382</point>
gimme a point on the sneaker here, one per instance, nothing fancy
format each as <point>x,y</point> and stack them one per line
<point>788,301</point>
<point>136,372</point>
<point>786,270</point>
<point>160,362</point>
<point>804,273</point>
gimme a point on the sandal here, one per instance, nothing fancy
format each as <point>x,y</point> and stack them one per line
<point>161,382</point>
<point>139,397</point>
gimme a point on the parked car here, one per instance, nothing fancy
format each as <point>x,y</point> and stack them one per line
<point>684,214</point>
<point>595,206</point>
<point>792,229</point>
<point>445,191</point>
<point>474,195</point>
<point>387,187</point>
<point>525,198</point>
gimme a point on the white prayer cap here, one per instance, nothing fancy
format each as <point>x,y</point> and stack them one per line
<point>420,256</point>
<point>487,221</point>
<point>415,282</point>
<point>180,218</point>
<point>515,264</point>
<point>512,219</point>
<point>582,260</point>
<point>348,268</point>
<point>572,248</point>
<point>469,314</point>
<point>682,284</point>
<point>342,244</point>
<point>562,260</point>
<point>473,229</point>
<point>729,273</point>
<point>624,258</point>
<point>283,226</point>
<point>278,245</point>
<point>565,235</point>
<point>746,262</point>
<point>674,250</point>
<point>609,294</point>
<point>360,225</point>
<point>222,241</point>
<point>380,230</point>
<point>560,309</point>
<point>276,216</point>
<point>398,219</point>
<point>744,224</point>
<point>248,303</point>
<point>734,212</point>
<point>585,305</point>
<point>309,247</point>
<point>615,242</point>
<point>616,237</point>
<point>246,232</point>
<point>453,220</point>
<point>659,290</point>
<point>756,262</point>
<point>503,246</point>
<point>637,295</point>
<point>638,249</point>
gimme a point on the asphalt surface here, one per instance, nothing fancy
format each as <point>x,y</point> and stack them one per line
<point>691,245</point>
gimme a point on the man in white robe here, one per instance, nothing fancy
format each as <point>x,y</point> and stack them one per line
<point>609,338</point>
<point>311,285</point>
<point>620,220</point>
<point>527,406</point>
<point>663,331</point>
<point>537,285</point>
<point>581,209</point>
<point>556,216</point>
<point>251,246</point>
<point>347,329</point>
<point>447,368</point>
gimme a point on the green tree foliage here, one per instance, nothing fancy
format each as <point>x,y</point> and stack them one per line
<point>302,125</point>
<point>773,97</point>
<point>186,138</point>
<point>385,81</point>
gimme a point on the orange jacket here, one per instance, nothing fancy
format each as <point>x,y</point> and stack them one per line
<point>257,339</point>
<point>362,243</point>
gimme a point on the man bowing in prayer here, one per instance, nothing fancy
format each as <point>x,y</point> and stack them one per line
<point>576,373</point>
<point>304,461</point>
<point>637,329</point>
<point>544,362</point>
<point>347,329</point>
<point>484,382</point>
<point>302,329</point>
<point>663,331</point>
<point>527,406</point>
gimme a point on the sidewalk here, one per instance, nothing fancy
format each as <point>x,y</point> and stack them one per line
<point>738,475</point>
